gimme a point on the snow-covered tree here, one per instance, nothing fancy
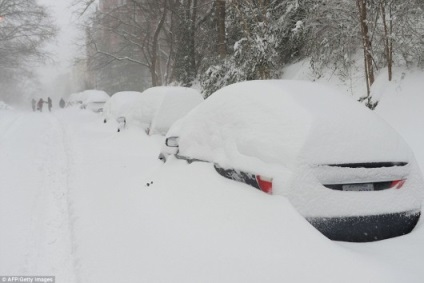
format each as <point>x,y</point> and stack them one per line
<point>262,36</point>
<point>386,32</point>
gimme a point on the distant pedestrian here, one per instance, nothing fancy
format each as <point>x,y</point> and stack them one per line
<point>40,105</point>
<point>50,103</point>
<point>33,103</point>
<point>62,103</point>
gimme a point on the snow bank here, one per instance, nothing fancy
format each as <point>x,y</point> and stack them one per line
<point>352,83</point>
<point>401,102</point>
<point>199,227</point>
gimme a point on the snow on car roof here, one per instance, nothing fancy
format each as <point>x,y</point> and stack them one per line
<point>257,124</point>
<point>95,96</point>
<point>176,103</point>
<point>146,105</point>
<point>152,99</point>
<point>119,103</point>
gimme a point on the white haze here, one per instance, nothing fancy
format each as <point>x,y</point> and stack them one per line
<point>56,76</point>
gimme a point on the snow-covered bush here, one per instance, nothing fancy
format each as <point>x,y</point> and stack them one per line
<point>264,38</point>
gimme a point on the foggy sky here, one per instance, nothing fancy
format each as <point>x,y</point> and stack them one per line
<point>64,48</point>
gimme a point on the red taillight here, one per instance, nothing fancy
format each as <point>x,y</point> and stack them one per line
<point>397,184</point>
<point>265,184</point>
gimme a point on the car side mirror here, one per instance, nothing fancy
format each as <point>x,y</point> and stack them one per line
<point>172,141</point>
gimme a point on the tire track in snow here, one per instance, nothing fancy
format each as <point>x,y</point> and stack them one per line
<point>72,218</point>
<point>50,247</point>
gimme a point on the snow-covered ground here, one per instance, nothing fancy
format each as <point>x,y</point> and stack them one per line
<point>67,194</point>
<point>74,203</point>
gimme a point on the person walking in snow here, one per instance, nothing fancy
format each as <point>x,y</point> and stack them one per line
<point>33,103</point>
<point>50,103</point>
<point>40,105</point>
<point>62,103</point>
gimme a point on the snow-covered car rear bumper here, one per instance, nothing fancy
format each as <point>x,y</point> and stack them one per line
<point>308,191</point>
<point>366,228</point>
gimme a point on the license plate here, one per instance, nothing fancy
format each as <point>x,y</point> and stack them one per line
<point>358,187</point>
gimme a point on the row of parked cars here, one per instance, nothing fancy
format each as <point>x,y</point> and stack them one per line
<point>341,166</point>
<point>154,109</point>
<point>93,100</point>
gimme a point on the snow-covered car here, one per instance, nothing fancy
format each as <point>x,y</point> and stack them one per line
<point>75,99</point>
<point>341,166</point>
<point>175,104</point>
<point>94,100</point>
<point>119,107</point>
<point>159,107</point>
<point>154,109</point>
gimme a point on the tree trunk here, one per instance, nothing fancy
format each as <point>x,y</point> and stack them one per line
<point>155,78</point>
<point>192,44</point>
<point>220,19</point>
<point>387,45</point>
<point>366,44</point>
<point>390,40</point>
<point>185,53</point>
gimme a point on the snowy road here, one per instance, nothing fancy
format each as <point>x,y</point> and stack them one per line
<point>74,205</point>
<point>34,203</point>
<point>57,211</point>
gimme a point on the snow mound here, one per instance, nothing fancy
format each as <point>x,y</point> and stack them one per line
<point>200,227</point>
<point>400,105</point>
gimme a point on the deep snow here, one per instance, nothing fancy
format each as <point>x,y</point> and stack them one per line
<point>74,203</point>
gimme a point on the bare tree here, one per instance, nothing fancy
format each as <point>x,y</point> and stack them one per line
<point>25,26</point>
<point>132,33</point>
<point>387,20</point>
<point>366,44</point>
